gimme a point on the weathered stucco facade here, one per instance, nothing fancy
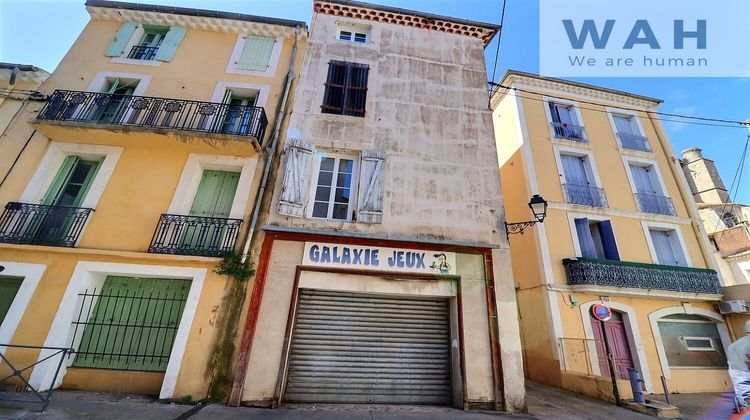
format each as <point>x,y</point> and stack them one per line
<point>425,178</point>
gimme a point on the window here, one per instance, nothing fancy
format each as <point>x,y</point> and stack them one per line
<point>730,220</point>
<point>667,247</point>
<point>333,188</point>
<point>346,89</point>
<point>629,133</point>
<point>239,111</point>
<point>354,33</point>
<point>579,186</point>
<point>146,42</point>
<point>648,191</point>
<point>596,239</point>
<point>113,109</point>
<point>565,124</point>
<point>691,341</point>
<point>149,43</point>
<point>8,289</point>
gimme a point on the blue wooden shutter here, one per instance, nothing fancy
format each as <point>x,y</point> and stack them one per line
<point>256,53</point>
<point>171,42</point>
<point>574,170</point>
<point>608,241</point>
<point>667,248</point>
<point>588,249</point>
<point>117,47</point>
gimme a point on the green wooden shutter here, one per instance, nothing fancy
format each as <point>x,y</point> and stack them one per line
<point>171,42</point>
<point>117,47</point>
<point>8,289</point>
<point>133,324</point>
<point>60,180</point>
<point>88,181</point>
<point>256,53</point>
<point>215,194</point>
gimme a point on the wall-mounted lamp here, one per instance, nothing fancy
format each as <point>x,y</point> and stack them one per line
<point>538,206</point>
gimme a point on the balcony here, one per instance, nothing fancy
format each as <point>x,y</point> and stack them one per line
<point>656,204</point>
<point>569,132</point>
<point>585,195</point>
<point>39,224</point>
<point>193,235</point>
<point>151,113</point>
<point>634,142</point>
<point>608,273</point>
<point>734,240</point>
<point>143,52</point>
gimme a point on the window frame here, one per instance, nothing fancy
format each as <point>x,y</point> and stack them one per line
<point>239,45</point>
<point>709,339</point>
<point>346,88</point>
<point>589,165</point>
<point>635,161</point>
<point>353,191</point>
<point>354,29</point>
<point>648,226</point>
<point>576,114</point>
<point>134,40</point>
<point>574,230</point>
<point>611,113</point>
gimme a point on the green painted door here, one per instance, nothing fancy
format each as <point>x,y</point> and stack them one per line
<point>213,199</point>
<point>68,189</point>
<point>110,109</point>
<point>8,289</point>
<point>133,324</point>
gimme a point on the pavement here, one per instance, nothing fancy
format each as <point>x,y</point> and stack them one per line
<point>544,402</point>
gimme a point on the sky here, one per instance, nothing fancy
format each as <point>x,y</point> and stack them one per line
<point>57,23</point>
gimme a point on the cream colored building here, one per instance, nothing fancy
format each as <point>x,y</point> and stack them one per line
<point>127,186</point>
<point>621,230</point>
<point>725,222</point>
<point>18,86</point>
<point>384,275</point>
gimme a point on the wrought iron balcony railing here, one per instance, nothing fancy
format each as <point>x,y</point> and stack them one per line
<point>143,52</point>
<point>634,142</point>
<point>593,272</point>
<point>656,204</point>
<point>569,132</point>
<point>194,235</point>
<point>157,113</point>
<point>39,224</point>
<point>585,194</point>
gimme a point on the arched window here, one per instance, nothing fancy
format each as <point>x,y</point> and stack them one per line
<point>691,341</point>
<point>729,219</point>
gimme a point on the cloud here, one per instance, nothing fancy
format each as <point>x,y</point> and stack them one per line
<point>691,110</point>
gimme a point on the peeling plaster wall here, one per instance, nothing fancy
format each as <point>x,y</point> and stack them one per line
<point>427,108</point>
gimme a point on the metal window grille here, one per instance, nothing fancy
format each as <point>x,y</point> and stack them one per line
<point>346,88</point>
<point>127,330</point>
<point>143,52</point>
<point>194,235</point>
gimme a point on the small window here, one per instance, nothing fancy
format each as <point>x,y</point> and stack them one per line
<point>565,123</point>
<point>691,341</point>
<point>149,43</point>
<point>353,33</point>
<point>596,239</point>
<point>345,36</point>
<point>333,188</point>
<point>360,37</point>
<point>346,89</point>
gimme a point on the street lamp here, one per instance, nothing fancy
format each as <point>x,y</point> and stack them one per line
<point>538,206</point>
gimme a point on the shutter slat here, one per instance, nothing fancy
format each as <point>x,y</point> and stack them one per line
<point>256,53</point>
<point>370,205</point>
<point>117,47</point>
<point>354,348</point>
<point>296,175</point>
<point>170,43</point>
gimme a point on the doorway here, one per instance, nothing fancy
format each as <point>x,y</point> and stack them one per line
<point>618,342</point>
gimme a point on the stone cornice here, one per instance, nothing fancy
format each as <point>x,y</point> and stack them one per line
<point>376,13</point>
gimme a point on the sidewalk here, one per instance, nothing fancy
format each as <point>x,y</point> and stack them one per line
<point>544,402</point>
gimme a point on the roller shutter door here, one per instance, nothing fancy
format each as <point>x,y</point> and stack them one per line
<point>355,348</point>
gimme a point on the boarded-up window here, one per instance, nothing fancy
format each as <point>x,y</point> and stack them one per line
<point>691,341</point>
<point>346,88</point>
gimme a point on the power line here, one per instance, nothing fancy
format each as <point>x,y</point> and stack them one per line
<point>499,37</point>
<point>712,122</point>
<point>737,179</point>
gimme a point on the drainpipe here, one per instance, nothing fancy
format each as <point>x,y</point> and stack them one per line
<point>271,150</point>
<point>687,198</point>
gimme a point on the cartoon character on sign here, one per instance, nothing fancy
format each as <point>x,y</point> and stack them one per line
<point>440,264</point>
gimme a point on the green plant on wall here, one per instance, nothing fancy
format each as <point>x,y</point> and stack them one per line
<point>231,265</point>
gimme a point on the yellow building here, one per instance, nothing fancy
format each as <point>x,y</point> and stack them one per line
<point>621,229</point>
<point>18,86</point>
<point>127,185</point>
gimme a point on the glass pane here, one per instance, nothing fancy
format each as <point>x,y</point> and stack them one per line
<point>342,195</point>
<point>323,194</point>
<point>344,180</point>
<point>68,197</point>
<point>345,35</point>
<point>320,210</point>
<point>326,164</point>
<point>340,211</point>
<point>346,166</point>
<point>360,37</point>
<point>80,172</point>
<point>325,178</point>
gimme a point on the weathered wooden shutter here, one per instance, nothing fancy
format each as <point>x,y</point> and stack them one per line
<point>294,189</point>
<point>171,42</point>
<point>256,53</point>
<point>370,205</point>
<point>117,47</point>
<point>333,98</point>
<point>356,90</point>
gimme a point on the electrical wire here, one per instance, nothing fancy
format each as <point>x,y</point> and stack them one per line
<point>712,122</point>
<point>499,37</point>
<point>732,194</point>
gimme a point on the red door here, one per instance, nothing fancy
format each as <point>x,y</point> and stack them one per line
<point>618,342</point>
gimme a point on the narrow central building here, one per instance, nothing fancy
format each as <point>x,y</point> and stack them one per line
<point>384,273</point>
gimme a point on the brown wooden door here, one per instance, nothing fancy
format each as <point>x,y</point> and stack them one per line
<point>618,342</point>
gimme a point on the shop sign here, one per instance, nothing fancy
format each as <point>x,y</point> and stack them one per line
<point>379,258</point>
